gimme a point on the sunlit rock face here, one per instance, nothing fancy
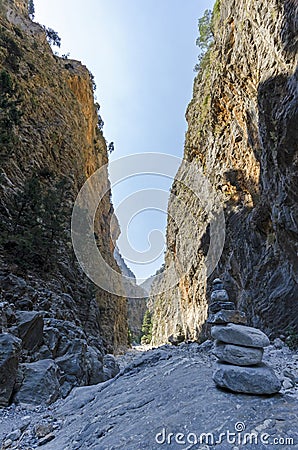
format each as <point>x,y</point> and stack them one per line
<point>242,133</point>
<point>53,138</point>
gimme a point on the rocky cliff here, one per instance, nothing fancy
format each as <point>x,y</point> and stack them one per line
<point>50,143</point>
<point>242,134</point>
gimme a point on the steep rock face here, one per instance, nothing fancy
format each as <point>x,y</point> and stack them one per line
<point>50,144</point>
<point>136,307</point>
<point>242,133</point>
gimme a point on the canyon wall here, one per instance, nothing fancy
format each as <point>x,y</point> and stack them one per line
<point>242,134</point>
<point>50,143</point>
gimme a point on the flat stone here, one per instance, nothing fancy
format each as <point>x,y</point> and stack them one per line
<point>260,379</point>
<point>48,438</point>
<point>227,316</point>
<point>218,306</point>
<point>219,295</point>
<point>240,335</point>
<point>238,355</point>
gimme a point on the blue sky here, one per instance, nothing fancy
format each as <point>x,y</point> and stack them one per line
<point>142,54</point>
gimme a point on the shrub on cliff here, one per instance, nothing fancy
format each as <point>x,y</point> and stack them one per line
<point>52,36</point>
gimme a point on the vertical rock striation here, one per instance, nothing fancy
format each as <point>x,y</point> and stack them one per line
<point>242,133</point>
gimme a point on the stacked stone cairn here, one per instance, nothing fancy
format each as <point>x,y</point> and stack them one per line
<point>239,348</point>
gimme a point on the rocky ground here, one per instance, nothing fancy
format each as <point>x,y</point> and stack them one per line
<point>163,398</point>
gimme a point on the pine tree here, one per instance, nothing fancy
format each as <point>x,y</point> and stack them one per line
<point>147,328</point>
<point>10,114</point>
<point>31,9</point>
<point>205,39</point>
<point>52,36</point>
<point>41,211</point>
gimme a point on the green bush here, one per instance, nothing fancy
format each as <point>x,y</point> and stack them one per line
<point>147,328</point>
<point>40,212</point>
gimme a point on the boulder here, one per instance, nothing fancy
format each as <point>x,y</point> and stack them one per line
<point>80,360</point>
<point>7,316</point>
<point>73,363</point>
<point>30,328</point>
<point>176,339</point>
<point>94,362</point>
<point>238,355</point>
<point>227,316</point>
<point>40,383</point>
<point>260,379</point>
<point>10,349</point>
<point>24,303</point>
<point>240,335</point>
<point>51,337</point>
<point>178,336</point>
<point>110,367</point>
<point>13,283</point>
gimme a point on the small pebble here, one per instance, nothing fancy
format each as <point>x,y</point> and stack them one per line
<point>14,435</point>
<point>48,438</point>
<point>287,384</point>
<point>7,443</point>
<point>278,343</point>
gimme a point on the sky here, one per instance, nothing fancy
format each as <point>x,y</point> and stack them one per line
<point>142,54</point>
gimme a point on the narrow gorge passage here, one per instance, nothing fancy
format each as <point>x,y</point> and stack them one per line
<point>192,359</point>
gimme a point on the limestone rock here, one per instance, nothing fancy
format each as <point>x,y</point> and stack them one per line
<point>238,355</point>
<point>240,335</point>
<point>259,379</point>
<point>40,383</point>
<point>10,348</point>
<point>30,328</point>
<point>227,316</point>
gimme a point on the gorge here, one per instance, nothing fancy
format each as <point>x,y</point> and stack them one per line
<point>68,376</point>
